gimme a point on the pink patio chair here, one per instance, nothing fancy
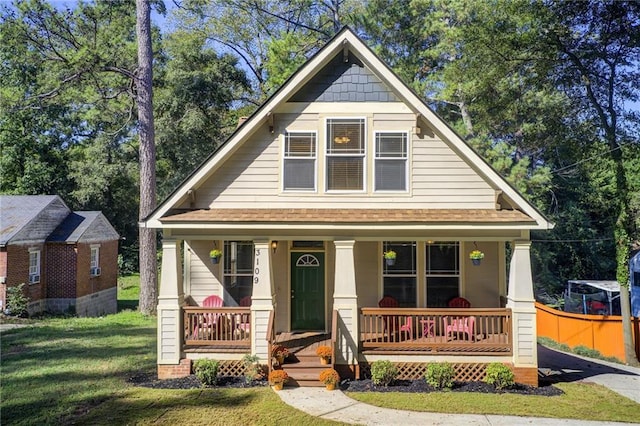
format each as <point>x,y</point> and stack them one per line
<point>391,302</point>
<point>465,325</point>
<point>210,320</point>
<point>243,325</point>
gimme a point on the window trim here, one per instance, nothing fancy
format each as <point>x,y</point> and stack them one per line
<point>94,269</point>
<point>38,266</point>
<point>406,157</point>
<point>285,158</point>
<point>362,155</point>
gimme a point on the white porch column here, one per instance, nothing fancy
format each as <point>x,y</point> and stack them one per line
<point>170,300</point>
<point>521,301</point>
<point>261,299</point>
<point>345,301</point>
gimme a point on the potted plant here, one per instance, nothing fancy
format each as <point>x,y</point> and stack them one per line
<point>279,352</point>
<point>215,255</point>
<point>324,352</point>
<point>330,378</point>
<point>390,257</point>
<point>476,256</point>
<point>277,379</point>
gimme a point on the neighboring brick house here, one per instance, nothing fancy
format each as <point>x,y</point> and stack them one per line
<point>68,259</point>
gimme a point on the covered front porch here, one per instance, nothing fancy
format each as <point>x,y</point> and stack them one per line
<point>499,326</point>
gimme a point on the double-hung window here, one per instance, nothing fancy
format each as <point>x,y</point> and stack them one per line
<point>238,271</point>
<point>299,161</point>
<point>345,154</point>
<point>442,272</point>
<point>95,261</point>
<point>399,279</point>
<point>391,161</point>
<point>34,266</point>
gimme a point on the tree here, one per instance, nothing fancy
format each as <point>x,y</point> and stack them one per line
<point>598,44</point>
<point>144,99</point>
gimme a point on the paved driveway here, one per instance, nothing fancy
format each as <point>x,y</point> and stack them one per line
<point>556,366</point>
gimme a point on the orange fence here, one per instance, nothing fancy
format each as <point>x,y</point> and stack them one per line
<point>600,332</point>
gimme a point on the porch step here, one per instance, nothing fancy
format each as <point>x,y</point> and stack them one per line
<point>305,372</point>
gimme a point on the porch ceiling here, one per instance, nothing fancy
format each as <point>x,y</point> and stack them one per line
<point>351,216</point>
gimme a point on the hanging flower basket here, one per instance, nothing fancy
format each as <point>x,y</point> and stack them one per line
<point>390,257</point>
<point>476,257</point>
<point>215,256</point>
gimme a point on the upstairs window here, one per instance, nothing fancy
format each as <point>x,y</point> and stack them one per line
<point>299,161</point>
<point>345,154</point>
<point>391,161</point>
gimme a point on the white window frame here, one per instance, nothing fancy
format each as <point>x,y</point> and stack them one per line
<point>386,245</point>
<point>94,263</point>
<point>382,158</point>
<point>314,157</point>
<point>229,257</point>
<point>362,155</point>
<point>428,273</point>
<point>34,269</point>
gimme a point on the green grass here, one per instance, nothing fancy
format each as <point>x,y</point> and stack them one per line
<point>584,401</point>
<point>128,292</point>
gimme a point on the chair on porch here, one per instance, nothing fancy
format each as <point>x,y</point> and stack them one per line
<point>389,320</point>
<point>244,326</point>
<point>459,302</point>
<point>458,326</point>
<point>209,320</point>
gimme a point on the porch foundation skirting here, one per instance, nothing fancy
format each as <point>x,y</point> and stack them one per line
<point>174,371</point>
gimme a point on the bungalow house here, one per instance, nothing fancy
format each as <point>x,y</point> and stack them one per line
<point>68,260</point>
<point>342,164</point>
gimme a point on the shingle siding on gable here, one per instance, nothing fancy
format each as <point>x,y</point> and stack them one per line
<point>341,81</point>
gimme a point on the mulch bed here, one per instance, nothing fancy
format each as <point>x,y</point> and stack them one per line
<point>150,380</point>
<point>421,386</point>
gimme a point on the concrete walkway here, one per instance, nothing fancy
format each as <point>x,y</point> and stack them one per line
<point>556,366</point>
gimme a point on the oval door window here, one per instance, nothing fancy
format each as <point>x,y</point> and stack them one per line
<point>307,260</point>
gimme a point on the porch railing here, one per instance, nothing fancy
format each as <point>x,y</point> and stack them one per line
<point>478,331</point>
<point>222,327</point>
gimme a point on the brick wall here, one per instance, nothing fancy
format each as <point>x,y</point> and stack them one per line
<point>166,371</point>
<point>108,277</point>
<point>18,269</point>
<point>525,375</point>
<point>61,270</point>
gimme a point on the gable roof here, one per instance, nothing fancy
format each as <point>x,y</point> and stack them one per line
<point>344,43</point>
<point>84,226</point>
<point>17,212</point>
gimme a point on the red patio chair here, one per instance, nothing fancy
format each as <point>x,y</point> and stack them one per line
<point>243,325</point>
<point>459,302</point>
<point>391,302</point>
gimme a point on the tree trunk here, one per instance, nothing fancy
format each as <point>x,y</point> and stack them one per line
<point>144,95</point>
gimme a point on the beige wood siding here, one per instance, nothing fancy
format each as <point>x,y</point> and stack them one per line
<point>251,177</point>
<point>481,284</point>
<point>204,278</point>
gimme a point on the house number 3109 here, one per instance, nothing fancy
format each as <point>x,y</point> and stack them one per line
<point>256,271</point>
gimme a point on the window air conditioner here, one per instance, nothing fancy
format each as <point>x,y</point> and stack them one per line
<point>95,271</point>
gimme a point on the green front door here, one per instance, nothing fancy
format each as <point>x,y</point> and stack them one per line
<point>307,291</point>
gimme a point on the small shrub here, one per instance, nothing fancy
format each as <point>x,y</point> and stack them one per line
<point>329,376</point>
<point>252,368</point>
<point>499,375</point>
<point>383,372</point>
<point>278,376</point>
<point>17,302</point>
<point>206,370</point>
<point>440,375</point>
